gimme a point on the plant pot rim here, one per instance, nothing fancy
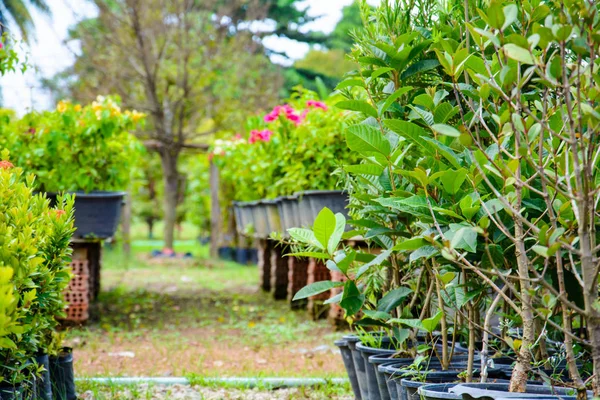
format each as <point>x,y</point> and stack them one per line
<point>428,391</point>
<point>92,194</point>
<point>268,202</point>
<point>317,192</point>
<point>341,343</point>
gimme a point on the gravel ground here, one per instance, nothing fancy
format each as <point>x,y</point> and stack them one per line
<point>185,392</point>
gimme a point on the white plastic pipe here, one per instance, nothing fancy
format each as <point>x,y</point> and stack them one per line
<point>269,383</point>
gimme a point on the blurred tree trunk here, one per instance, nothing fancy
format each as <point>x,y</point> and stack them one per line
<point>171,180</point>
<point>215,211</point>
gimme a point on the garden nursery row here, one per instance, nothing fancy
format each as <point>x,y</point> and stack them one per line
<point>449,189</point>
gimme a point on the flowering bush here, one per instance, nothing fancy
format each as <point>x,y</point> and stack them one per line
<point>296,146</point>
<point>77,148</point>
<point>34,254</point>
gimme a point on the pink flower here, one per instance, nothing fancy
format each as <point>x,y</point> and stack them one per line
<point>285,109</point>
<point>316,104</point>
<point>6,164</point>
<point>1,45</point>
<point>262,136</point>
<point>237,136</point>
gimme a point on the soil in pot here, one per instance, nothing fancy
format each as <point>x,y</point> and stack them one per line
<point>349,365</point>
<point>62,375</point>
<point>43,385</point>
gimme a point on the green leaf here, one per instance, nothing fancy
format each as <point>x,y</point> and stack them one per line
<point>443,112</point>
<point>445,151</point>
<point>418,67</point>
<point>376,261</point>
<point>358,105</point>
<point>364,169</point>
<point>352,299</point>
<point>446,130</point>
<point>324,227</point>
<point>410,131</point>
<point>380,71</point>
<point>350,83</point>
<point>377,314</point>
<point>541,250</point>
<point>429,324</point>
<point>511,12</point>
<point>465,238</point>
<point>336,235</point>
<point>410,244</point>
<point>305,236</point>
<point>310,254</point>
<point>344,263</point>
<point>518,54</point>
<point>411,322</point>
<point>316,288</point>
<point>366,139</point>
<point>393,97</point>
<point>392,299</point>
<point>453,180</point>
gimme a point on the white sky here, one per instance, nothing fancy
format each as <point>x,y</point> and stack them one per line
<point>49,54</point>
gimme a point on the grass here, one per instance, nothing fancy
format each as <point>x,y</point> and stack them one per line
<point>198,317</point>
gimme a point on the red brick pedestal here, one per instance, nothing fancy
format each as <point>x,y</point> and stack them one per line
<point>279,272</point>
<point>317,271</point>
<point>264,264</point>
<point>297,278</point>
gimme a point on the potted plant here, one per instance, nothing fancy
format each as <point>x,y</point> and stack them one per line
<point>88,151</point>
<point>32,278</point>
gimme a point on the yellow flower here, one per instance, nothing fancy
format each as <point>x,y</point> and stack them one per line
<point>96,107</point>
<point>62,106</point>
<point>77,107</point>
<point>136,116</point>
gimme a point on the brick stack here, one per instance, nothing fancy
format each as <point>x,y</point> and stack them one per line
<point>336,313</point>
<point>317,271</point>
<point>297,278</point>
<point>279,272</point>
<point>78,293</point>
<point>264,264</point>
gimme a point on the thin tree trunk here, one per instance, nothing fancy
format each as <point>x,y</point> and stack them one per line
<point>215,211</point>
<point>171,179</point>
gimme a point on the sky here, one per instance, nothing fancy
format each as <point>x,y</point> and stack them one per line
<point>49,54</point>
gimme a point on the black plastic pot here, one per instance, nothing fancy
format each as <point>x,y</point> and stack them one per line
<point>488,391</point>
<point>438,391</point>
<point>253,256</point>
<point>62,376</point>
<point>313,201</point>
<point>97,214</point>
<point>11,393</point>
<point>386,377</point>
<point>273,220</point>
<point>259,216</point>
<point>226,253</point>
<point>43,385</point>
<point>408,387</point>
<point>241,256</point>
<point>349,365</point>
<point>376,386</point>
<point>287,215</point>
<point>359,365</point>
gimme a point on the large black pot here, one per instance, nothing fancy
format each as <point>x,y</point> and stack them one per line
<point>287,213</point>
<point>359,365</point>
<point>62,375</point>
<point>43,385</point>
<point>243,217</point>
<point>273,219</point>
<point>500,391</point>
<point>438,391</point>
<point>259,217</point>
<point>97,214</point>
<point>313,201</point>
<point>349,365</point>
<point>376,386</point>
<point>11,392</point>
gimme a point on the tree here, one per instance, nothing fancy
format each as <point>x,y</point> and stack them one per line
<point>18,11</point>
<point>178,61</point>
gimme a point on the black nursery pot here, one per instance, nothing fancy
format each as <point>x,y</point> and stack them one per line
<point>43,385</point>
<point>241,256</point>
<point>97,214</point>
<point>313,201</point>
<point>349,365</point>
<point>500,391</point>
<point>62,375</point>
<point>11,393</point>
<point>359,366</point>
<point>439,391</point>
<point>376,385</point>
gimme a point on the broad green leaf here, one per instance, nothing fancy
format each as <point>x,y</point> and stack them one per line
<point>310,254</point>
<point>305,236</point>
<point>344,263</point>
<point>350,83</point>
<point>518,54</point>
<point>364,169</point>
<point>443,112</point>
<point>366,139</point>
<point>358,105</point>
<point>429,324</point>
<point>376,261</point>
<point>380,71</point>
<point>393,97</point>
<point>336,235</point>
<point>511,12</point>
<point>316,288</point>
<point>445,151</point>
<point>410,322</point>
<point>324,226</point>
<point>410,244</point>
<point>465,238</point>
<point>410,131</point>
<point>446,130</point>
<point>541,250</point>
<point>420,66</point>
<point>393,299</point>
<point>377,314</point>
<point>352,299</point>
<point>453,180</point>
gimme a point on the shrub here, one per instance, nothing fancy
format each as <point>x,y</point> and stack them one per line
<point>34,270</point>
<point>297,146</point>
<point>75,148</point>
